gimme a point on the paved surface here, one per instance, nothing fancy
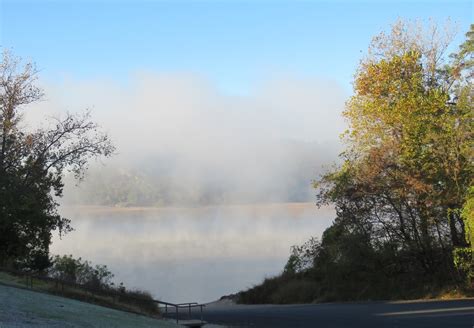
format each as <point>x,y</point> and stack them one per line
<point>432,314</point>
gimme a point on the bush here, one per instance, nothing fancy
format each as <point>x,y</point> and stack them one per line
<point>282,289</point>
<point>140,299</point>
<point>98,278</point>
<point>296,291</point>
<point>78,271</point>
<point>303,256</point>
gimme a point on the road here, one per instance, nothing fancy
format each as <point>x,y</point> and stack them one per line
<point>433,314</point>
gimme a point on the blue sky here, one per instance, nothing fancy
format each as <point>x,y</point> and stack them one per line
<point>235,44</point>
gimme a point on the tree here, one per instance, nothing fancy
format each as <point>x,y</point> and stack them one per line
<point>32,166</point>
<point>403,195</point>
<point>408,165</point>
<point>79,271</point>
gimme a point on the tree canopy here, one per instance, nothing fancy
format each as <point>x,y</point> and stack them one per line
<point>33,164</point>
<point>403,195</point>
<point>408,165</point>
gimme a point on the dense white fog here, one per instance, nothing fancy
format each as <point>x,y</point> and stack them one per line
<point>194,144</point>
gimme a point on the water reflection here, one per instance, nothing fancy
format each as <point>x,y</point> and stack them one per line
<point>192,254</point>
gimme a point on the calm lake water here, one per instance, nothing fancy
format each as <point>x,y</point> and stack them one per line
<point>191,254</point>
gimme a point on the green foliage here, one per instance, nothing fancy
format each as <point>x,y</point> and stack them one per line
<point>99,278</point>
<point>408,164</point>
<point>79,279</point>
<point>139,299</point>
<point>464,57</point>
<point>283,289</point>
<point>403,195</point>
<point>463,262</point>
<point>78,271</point>
<point>302,256</point>
<point>463,257</point>
<point>467,215</point>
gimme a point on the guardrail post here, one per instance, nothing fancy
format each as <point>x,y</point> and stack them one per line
<point>189,310</point>
<point>177,314</point>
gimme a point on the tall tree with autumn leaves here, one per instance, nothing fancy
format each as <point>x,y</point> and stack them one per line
<point>404,200</point>
<point>408,165</point>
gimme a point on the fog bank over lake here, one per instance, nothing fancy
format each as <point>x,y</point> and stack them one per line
<point>182,140</point>
<point>191,254</point>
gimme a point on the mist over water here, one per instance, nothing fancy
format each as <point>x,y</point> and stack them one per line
<point>200,145</point>
<point>182,142</point>
<point>192,254</point>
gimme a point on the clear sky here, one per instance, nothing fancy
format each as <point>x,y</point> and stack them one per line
<point>235,44</point>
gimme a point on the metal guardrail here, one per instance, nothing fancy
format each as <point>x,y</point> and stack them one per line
<point>187,306</point>
<point>60,284</point>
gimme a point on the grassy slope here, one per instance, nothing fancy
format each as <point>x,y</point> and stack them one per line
<point>122,304</point>
<point>24,308</point>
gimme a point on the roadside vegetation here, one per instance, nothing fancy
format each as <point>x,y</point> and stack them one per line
<point>79,279</point>
<point>403,194</point>
<point>25,308</point>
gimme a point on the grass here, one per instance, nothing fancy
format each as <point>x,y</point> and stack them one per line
<point>8,279</point>
<point>121,301</point>
<point>25,308</point>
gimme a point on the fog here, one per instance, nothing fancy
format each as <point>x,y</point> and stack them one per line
<point>182,142</point>
<point>180,131</point>
<point>191,254</point>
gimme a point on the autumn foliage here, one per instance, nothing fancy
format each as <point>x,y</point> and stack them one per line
<point>403,194</point>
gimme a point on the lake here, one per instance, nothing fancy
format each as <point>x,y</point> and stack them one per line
<point>191,254</point>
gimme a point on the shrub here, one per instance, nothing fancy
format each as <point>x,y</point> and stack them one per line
<point>295,291</point>
<point>78,271</point>
<point>98,278</point>
<point>140,299</point>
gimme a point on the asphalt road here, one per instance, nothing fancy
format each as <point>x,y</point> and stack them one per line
<point>445,314</point>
